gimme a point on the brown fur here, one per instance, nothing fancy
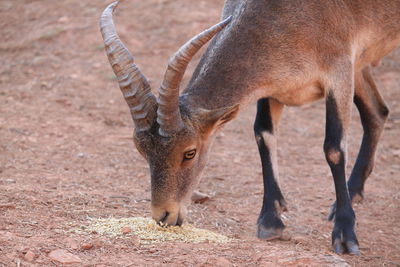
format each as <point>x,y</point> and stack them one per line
<point>292,52</point>
<point>286,48</point>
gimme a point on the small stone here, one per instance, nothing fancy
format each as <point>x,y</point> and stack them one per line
<point>81,155</point>
<point>199,198</point>
<point>11,181</point>
<point>86,246</point>
<point>30,256</point>
<point>39,60</point>
<point>126,230</point>
<point>63,256</point>
<point>63,19</point>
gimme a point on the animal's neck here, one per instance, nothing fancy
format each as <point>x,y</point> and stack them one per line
<point>215,90</point>
<point>224,77</point>
<point>235,64</point>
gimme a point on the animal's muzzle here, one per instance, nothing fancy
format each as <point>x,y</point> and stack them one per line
<point>168,213</point>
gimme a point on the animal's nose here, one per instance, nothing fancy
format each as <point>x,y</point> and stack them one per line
<point>167,214</point>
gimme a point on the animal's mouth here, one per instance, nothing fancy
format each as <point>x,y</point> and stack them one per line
<point>164,221</point>
<point>167,218</point>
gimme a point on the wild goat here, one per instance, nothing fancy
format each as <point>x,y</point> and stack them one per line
<point>278,52</point>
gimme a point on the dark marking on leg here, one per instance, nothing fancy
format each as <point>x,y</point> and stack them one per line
<point>270,225</point>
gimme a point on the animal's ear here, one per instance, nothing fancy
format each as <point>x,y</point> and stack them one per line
<point>212,120</point>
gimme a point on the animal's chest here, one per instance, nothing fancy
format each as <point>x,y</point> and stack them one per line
<point>297,96</point>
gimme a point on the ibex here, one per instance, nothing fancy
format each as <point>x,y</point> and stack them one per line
<point>276,52</point>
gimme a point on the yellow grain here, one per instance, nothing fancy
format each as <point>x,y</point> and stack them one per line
<point>149,232</point>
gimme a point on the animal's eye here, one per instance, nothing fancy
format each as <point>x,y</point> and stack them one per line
<point>190,154</point>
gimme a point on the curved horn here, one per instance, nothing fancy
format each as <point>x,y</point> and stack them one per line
<point>133,84</point>
<point>168,114</point>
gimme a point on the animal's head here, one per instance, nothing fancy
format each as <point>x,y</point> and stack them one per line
<point>173,138</point>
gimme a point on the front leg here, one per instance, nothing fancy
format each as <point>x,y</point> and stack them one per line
<point>270,225</point>
<point>338,111</point>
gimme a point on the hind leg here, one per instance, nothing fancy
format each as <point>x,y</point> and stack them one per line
<point>373,113</point>
<point>270,225</point>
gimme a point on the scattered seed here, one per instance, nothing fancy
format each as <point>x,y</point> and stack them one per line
<point>149,232</point>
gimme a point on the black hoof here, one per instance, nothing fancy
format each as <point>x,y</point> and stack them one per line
<point>270,226</point>
<point>344,239</point>
<point>269,233</point>
<point>349,247</point>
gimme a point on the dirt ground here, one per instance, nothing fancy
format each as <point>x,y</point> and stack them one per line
<point>66,152</point>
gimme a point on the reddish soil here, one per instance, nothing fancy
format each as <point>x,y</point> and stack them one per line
<point>66,151</point>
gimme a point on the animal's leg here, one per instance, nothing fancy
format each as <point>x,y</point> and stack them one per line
<point>338,112</point>
<point>373,114</point>
<point>270,225</point>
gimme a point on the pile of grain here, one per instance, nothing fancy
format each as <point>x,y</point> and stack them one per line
<point>149,232</point>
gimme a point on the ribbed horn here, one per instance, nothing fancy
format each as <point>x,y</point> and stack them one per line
<point>168,114</point>
<point>134,85</point>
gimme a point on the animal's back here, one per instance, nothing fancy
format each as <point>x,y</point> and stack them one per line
<point>282,43</point>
